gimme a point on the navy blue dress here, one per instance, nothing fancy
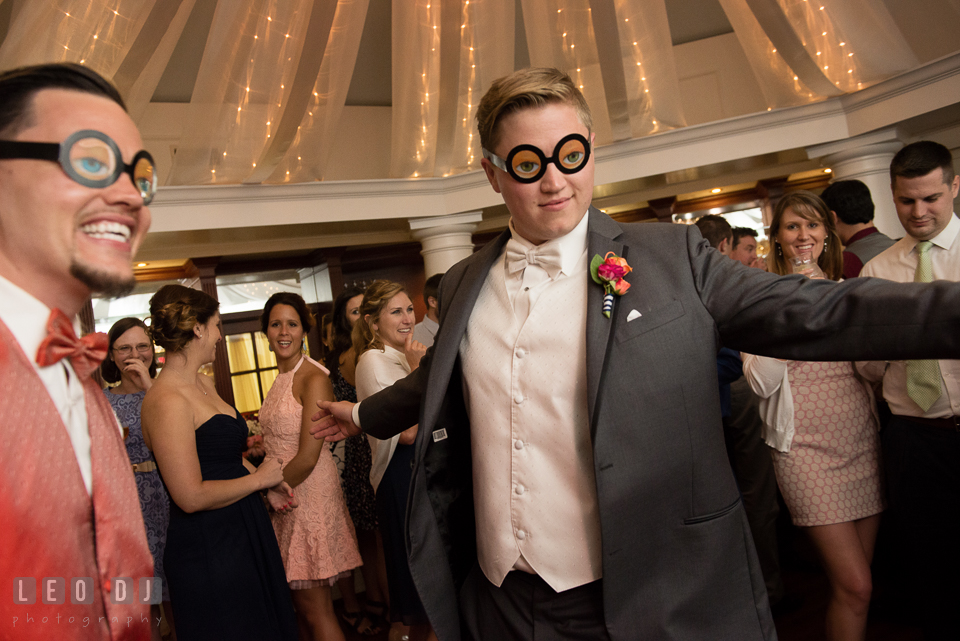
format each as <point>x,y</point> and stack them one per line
<point>224,567</point>
<point>405,605</point>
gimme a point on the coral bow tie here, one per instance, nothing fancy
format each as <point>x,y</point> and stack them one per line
<point>85,353</point>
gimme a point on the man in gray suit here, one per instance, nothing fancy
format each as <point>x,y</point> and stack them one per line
<point>571,479</point>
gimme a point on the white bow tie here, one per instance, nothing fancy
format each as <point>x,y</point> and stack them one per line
<point>548,258</point>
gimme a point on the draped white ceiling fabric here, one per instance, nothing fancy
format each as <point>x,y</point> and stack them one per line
<point>275,74</point>
<point>806,50</point>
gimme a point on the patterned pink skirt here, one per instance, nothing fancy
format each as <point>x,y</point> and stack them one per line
<point>832,472</point>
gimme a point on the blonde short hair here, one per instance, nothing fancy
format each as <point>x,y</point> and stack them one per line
<point>523,89</point>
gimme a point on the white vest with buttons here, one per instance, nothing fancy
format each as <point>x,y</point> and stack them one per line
<point>533,478</point>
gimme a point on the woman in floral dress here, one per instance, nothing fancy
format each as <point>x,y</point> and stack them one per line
<point>131,362</point>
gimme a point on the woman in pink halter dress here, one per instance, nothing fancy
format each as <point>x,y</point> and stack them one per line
<point>317,540</point>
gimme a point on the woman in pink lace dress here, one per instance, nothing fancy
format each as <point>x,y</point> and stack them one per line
<point>317,540</point>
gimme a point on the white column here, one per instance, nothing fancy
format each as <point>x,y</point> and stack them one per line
<point>867,158</point>
<point>446,240</point>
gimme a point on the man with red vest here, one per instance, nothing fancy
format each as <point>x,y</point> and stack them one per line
<point>74,185</point>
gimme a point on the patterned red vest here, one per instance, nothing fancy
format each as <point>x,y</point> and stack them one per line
<point>51,527</point>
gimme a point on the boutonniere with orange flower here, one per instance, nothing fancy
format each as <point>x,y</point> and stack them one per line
<point>609,271</point>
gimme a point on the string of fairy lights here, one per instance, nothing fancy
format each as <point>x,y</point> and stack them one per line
<point>430,60</point>
<point>825,43</point>
<point>273,38</point>
<point>276,36</point>
<point>630,22</point>
<point>470,80</point>
<point>86,42</point>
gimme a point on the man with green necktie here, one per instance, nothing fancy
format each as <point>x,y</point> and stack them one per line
<point>921,442</point>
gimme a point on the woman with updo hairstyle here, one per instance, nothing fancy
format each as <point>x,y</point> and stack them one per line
<point>222,562</point>
<point>132,363</point>
<point>820,421</point>
<point>317,541</point>
<point>383,341</point>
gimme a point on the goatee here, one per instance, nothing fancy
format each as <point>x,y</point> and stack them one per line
<point>101,282</point>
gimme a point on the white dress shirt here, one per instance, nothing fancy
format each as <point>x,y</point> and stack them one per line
<point>899,263</point>
<point>375,371</point>
<point>26,318</point>
<point>425,330</point>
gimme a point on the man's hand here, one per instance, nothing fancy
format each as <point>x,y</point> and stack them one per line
<point>334,421</point>
<point>414,351</point>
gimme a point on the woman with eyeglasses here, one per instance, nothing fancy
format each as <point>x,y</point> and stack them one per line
<point>131,362</point>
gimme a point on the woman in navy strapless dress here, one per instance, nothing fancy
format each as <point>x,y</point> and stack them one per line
<point>222,562</point>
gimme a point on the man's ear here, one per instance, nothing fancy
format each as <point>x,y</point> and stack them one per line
<point>724,246</point>
<point>833,217</point>
<point>431,302</point>
<point>491,172</point>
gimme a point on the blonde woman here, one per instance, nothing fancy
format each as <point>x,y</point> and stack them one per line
<point>383,340</point>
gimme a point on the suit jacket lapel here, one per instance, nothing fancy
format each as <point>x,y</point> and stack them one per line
<point>454,315</point>
<point>601,234</point>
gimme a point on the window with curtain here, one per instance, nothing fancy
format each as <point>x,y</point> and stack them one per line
<point>253,368</point>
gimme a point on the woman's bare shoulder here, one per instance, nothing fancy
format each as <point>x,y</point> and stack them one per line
<point>166,395</point>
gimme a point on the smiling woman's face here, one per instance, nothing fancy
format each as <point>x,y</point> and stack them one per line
<point>284,331</point>
<point>798,235</point>
<point>396,321</point>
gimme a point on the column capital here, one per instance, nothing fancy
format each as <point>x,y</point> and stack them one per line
<point>446,240</point>
<point>867,158</point>
<point>858,146</point>
<point>432,225</point>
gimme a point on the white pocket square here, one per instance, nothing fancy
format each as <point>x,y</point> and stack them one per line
<point>634,314</point>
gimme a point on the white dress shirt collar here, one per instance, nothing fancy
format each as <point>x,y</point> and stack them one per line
<point>25,317</point>
<point>945,238</point>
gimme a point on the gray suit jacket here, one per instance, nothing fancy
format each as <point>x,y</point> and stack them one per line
<point>678,559</point>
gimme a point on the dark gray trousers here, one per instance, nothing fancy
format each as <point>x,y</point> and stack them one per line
<point>525,608</point>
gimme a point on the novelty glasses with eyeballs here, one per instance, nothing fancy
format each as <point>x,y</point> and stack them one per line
<point>527,164</point>
<point>90,158</point>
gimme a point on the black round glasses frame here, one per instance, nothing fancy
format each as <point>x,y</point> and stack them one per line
<point>60,153</point>
<point>507,165</point>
